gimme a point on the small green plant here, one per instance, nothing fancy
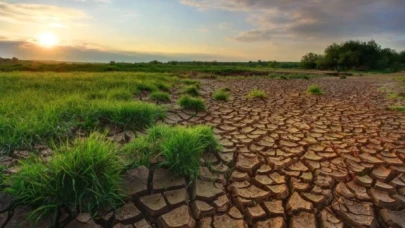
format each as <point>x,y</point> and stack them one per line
<point>283,77</point>
<point>2,177</point>
<point>256,93</point>
<point>192,103</point>
<point>398,108</point>
<point>85,176</point>
<point>163,86</point>
<point>181,147</point>
<point>314,90</point>
<point>221,95</point>
<point>159,96</point>
<point>192,90</point>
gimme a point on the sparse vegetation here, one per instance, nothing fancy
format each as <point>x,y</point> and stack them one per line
<point>314,90</point>
<point>192,90</point>
<point>256,93</point>
<point>160,96</point>
<point>84,176</point>
<point>398,108</point>
<point>38,108</point>
<point>221,94</point>
<point>181,147</point>
<point>192,103</point>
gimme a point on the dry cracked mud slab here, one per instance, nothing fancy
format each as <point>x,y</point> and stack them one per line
<point>291,160</point>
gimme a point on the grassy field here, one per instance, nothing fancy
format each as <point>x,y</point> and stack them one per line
<point>39,107</point>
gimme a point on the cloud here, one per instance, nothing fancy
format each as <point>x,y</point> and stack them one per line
<point>292,20</point>
<point>91,53</point>
<point>46,15</point>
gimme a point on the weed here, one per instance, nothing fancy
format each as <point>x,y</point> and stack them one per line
<point>181,147</point>
<point>256,93</point>
<point>160,96</point>
<point>314,90</point>
<point>85,176</point>
<point>163,86</point>
<point>283,77</point>
<point>192,90</point>
<point>220,95</point>
<point>192,103</point>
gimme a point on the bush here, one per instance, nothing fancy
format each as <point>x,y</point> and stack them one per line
<point>160,96</point>
<point>192,90</point>
<point>221,95</point>
<point>181,147</point>
<point>257,94</point>
<point>192,103</point>
<point>314,90</point>
<point>85,176</point>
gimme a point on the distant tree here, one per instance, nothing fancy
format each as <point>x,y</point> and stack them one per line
<point>155,62</point>
<point>309,61</point>
<point>112,62</point>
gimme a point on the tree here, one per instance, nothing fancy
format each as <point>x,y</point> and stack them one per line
<point>309,61</point>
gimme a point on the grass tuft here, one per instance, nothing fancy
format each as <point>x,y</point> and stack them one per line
<point>256,93</point>
<point>192,103</point>
<point>221,95</point>
<point>192,90</point>
<point>160,96</point>
<point>191,82</point>
<point>314,90</point>
<point>180,146</point>
<point>85,176</point>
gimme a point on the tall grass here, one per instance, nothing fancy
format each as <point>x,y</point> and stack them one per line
<point>39,107</point>
<point>314,90</point>
<point>221,95</point>
<point>84,176</point>
<point>181,147</point>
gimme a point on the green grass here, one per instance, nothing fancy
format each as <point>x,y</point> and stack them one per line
<point>191,82</point>
<point>398,108</point>
<point>181,148</point>
<point>160,96</point>
<point>37,108</point>
<point>85,176</point>
<point>221,94</point>
<point>191,90</point>
<point>314,90</point>
<point>256,93</point>
<point>192,103</point>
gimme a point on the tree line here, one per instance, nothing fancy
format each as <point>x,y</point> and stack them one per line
<point>355,55</point>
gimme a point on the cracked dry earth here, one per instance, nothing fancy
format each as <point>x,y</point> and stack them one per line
<point>291,160</point>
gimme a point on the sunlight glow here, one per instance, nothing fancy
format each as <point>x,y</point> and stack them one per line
<point>47,39</point>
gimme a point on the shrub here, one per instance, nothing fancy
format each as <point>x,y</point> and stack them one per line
<point>314,90</point>
<point>221,95</point>
<point>397,108</point>
<point>160,96</point>
<point>192,90</point>
<point>256,93</point>
<point>85,176</point>
<point>192,103</point>
<point>181,147</point>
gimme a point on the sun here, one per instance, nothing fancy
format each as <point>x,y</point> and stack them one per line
<point>47,39</point>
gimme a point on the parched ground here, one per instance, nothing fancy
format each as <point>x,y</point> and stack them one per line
<point>301,161</point>
<point>291,160</point>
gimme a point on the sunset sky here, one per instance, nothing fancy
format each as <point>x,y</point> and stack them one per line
<point>223,30</point>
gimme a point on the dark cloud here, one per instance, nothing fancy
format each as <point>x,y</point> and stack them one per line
<point>289,20</point>
<point>27,50</point>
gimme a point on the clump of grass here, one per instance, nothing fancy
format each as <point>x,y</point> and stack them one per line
<point>159,96</point>
<point>314,90</point>
<point>191,82</point>
<point>85,176</point>
<point>398,108</point>
<point>192,103</point>
<point>192,90</point>
<point>256,93</point>
<point>163,86</point>
<point>221,95</point>
<point>181,147</point>
<point>146,86</point>
<point>283,77</point>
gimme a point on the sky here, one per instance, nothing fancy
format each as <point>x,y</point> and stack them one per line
<point>204,30</point>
